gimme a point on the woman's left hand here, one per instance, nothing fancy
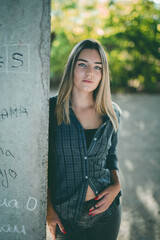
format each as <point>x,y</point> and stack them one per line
<point>107,196</point>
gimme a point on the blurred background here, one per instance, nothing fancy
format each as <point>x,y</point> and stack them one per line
<point>128,30</point>
<point>130,34</point>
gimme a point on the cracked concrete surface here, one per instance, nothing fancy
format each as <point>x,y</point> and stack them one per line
<point>43,44</point>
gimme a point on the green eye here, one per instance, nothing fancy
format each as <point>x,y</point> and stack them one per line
<point>82,65</point>
<point>98,68</point>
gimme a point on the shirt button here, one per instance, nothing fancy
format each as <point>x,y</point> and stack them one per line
<point>96,192</point>
<point>95,139</point>
<point>85,158</point>
<point>86,177</point>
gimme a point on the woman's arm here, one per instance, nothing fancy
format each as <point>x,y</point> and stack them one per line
<point>52,218</point>
<point>115,180</point>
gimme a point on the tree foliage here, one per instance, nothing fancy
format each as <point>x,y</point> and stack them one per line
<point>128,30</point>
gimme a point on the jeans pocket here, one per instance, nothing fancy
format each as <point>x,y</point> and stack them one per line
<point>108,211</point>
<point>116,201</point>
<point>112,207</point>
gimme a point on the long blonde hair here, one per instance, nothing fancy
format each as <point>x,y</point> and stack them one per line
<point>102,94</point>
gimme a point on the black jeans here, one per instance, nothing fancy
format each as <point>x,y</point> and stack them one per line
<point>104,226</point>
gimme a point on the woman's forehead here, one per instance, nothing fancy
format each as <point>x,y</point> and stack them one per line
<point>90,55</point>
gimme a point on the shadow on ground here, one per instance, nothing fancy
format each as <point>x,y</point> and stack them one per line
<point>139,158</point>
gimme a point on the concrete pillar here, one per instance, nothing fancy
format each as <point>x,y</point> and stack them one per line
<point>24,93</point>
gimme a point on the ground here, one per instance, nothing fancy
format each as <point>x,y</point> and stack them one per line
<point>139,158</point>
<point>139,166</point>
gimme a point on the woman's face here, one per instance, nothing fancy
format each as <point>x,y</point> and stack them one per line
<point>87,71</point>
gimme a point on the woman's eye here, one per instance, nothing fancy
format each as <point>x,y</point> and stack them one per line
<point>98,68</point>
<point>82,65</point>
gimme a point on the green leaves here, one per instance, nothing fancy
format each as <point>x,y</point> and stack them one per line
<point>129,32</point>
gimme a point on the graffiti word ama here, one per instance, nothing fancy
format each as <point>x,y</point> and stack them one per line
<point>12,113</point>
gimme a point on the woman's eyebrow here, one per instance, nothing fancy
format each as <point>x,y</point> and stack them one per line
<point>83,60</point>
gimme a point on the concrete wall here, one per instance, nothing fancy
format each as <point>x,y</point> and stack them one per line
<point>24,92</point>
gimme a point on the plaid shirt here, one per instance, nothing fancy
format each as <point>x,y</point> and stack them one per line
<point>72,166</point>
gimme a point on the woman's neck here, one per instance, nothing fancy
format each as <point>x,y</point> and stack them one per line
<point>82,100</point>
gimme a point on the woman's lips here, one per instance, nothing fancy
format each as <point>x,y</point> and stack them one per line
<point>87,81</point>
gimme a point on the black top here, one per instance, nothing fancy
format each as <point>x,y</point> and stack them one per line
<point>89,133</point>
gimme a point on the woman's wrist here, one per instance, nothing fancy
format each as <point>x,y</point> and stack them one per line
<point>117,186</point>
<point>115,180</point>
<point>50,209</point>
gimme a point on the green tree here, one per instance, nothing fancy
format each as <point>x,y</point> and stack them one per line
<point>129,32</point>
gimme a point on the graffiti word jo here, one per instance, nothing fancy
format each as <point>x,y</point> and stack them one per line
<point>7,176</point>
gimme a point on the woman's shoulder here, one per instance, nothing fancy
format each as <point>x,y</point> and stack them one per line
<point>52,101</point>
<point>52,104</point>
<point>117,109</point>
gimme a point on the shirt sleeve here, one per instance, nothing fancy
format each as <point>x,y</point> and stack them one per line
<point>51,143</point>
<point>112,159</point>
<point>112,155</point>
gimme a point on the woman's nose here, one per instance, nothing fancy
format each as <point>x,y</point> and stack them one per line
<point>89,71</point>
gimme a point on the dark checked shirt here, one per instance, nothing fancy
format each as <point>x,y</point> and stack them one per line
<point>72,167</point>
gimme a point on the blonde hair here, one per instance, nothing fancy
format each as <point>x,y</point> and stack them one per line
<point>102,94</point>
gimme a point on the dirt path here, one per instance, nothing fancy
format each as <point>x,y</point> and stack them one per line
<point>139,163</point>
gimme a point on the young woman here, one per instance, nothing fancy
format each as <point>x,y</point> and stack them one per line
<point>84,186</point>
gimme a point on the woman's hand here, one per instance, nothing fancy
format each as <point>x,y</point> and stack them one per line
<point>107,196</point>
<point>52,221</point>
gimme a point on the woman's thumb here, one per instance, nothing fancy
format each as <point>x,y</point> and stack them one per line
<point>61,227</point>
